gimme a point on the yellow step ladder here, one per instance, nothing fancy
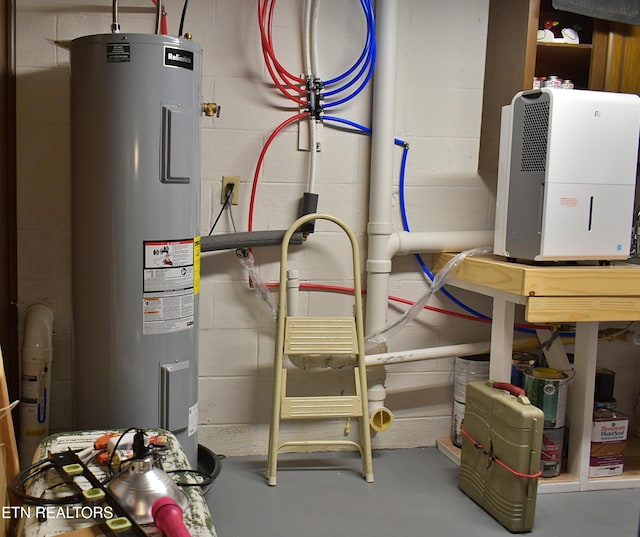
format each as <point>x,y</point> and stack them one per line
<point>314,336</point>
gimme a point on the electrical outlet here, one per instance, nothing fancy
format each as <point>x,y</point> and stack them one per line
<point>228,180</point>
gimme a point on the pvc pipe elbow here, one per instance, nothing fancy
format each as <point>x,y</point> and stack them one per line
<point>38,328</point>
<point>381,419</point>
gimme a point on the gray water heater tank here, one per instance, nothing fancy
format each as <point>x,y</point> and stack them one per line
<point>135,109</point>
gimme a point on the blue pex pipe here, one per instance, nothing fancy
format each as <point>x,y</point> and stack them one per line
<point>369,52</point>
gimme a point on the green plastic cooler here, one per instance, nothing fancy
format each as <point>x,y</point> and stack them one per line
<point>501,441</point>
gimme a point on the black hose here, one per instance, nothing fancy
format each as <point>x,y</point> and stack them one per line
<point>184,14</point>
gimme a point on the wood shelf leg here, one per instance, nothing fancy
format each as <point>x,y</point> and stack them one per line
<point>501,340</point>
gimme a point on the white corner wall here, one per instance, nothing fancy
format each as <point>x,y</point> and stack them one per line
<point>439,91</point>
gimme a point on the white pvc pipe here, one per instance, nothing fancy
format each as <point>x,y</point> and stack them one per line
<point>430,353</point>
<point>404,242</point>
<point>311,71</point>
<point>379,227</point>
<point>293,293</point>
<point>306,39</point>
<point>383,243</point>
<point>315,67</point>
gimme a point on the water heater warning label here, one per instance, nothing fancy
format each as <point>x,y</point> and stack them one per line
<point>118,52</point>
<point>168,288</point>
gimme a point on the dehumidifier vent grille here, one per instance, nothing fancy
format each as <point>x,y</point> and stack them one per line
<point>534,137</point>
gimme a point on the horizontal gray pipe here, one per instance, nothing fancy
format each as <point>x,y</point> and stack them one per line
<point>246,239</point>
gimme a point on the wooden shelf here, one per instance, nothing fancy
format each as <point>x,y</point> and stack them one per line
<point>566,482</point>
<point>574,46</point>
<point>555,293</point>
<point>564,60</point>
<point>582,293</point>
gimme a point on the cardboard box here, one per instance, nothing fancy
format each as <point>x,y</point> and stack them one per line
<point>608,440</point>
<point>609,426</point>
<point>606,466</point>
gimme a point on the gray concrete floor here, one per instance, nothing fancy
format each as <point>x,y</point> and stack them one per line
<point>415,494</point>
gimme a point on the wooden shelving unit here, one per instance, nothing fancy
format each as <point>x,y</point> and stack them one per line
<point>585,294</point>
<point>607,59</point>
<point>514,56</point>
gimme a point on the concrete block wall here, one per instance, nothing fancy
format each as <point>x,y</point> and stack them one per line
<point>439,92</point>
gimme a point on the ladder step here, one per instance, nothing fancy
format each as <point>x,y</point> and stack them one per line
<point>321,407</point>
<point>320,335</point>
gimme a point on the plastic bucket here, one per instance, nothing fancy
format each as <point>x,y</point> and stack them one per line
<point>468,369</point>
<point>547,389</point>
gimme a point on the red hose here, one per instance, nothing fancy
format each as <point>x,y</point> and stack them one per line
<point>349,291</point>
<point>291,81</point>
<point>267,42</point>
<point>256,174</point>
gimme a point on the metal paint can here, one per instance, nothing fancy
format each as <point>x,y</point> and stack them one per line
<point>547,389</point>
<point>551,451</point>
<point>456,424</point>
<point>468,369</point>
<point>521,362</point>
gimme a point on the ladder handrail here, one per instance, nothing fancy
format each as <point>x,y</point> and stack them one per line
<point>357,281</point>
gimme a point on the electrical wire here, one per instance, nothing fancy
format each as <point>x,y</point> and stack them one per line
<point>7,409</point>
<point>115,449</point>
<point>19,481</point>
<point>205,482</point>
<point>224,206</point>
<point>233,223</point>
<point>159,8</point>
<point>115,23</point>
<point>182,17</point>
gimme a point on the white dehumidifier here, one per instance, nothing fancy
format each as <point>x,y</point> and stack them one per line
<point>567,175</point>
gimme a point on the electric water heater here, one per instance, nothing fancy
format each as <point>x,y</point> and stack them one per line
<point>567,175</point>
<point>135,109</point>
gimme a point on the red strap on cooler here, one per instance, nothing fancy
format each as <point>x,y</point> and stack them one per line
<point>495,459</point>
